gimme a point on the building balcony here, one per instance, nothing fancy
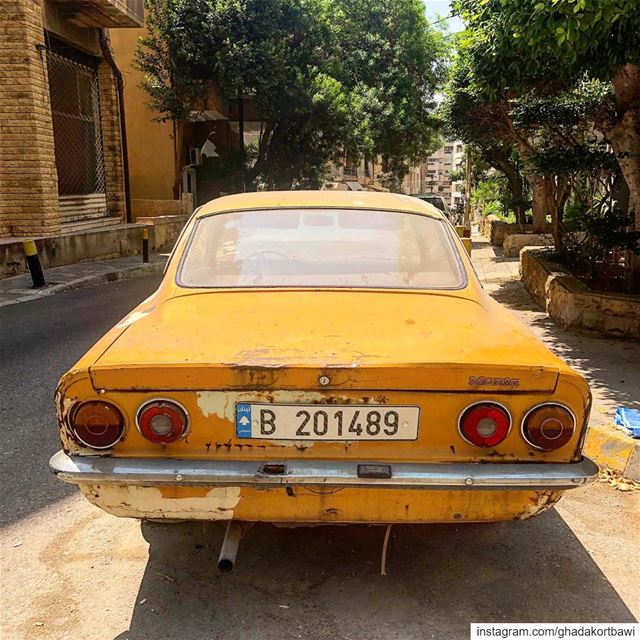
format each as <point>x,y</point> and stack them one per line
<point>112,14</point>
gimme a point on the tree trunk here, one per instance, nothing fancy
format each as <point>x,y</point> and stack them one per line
<point>541,194</point>
<point>624,134</point>
<point>515,186</point>
<point>263,161</point>
<point>541,190</point>
<point>467,189</point>
<point>560,192</point>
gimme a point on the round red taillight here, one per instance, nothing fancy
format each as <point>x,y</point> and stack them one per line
<point>548,426</point>
<point>98,425</point>
<point>484,424</point>
<point>162,421</point>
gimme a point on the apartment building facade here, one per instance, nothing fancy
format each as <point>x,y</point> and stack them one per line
<point>367,174</point>
<point>437,169</point>
<point>412,183</point>
<point>432,176</point>
<point>61,152</point>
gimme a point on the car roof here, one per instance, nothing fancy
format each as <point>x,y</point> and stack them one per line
<point>319,200</point>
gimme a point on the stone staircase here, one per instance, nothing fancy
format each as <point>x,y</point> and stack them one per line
<point>89,224</point>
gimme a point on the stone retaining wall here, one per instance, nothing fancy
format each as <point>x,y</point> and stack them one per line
<point>497,229</point>
<point>571,304</point>
<point>144,208</point>
<point>484,225</point>
<point>165,230</point>
<point>99,244</point>
<point>514,242</point>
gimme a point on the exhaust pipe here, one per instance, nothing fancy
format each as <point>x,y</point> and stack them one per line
<point>229,550</point>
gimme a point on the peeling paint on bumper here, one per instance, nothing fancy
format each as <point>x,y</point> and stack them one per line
<point>333,493</point>
<point>307,505</point>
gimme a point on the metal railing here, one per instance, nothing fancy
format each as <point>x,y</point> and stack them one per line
<point>75,109</point>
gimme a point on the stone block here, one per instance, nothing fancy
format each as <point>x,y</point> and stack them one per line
<point>514,242</point>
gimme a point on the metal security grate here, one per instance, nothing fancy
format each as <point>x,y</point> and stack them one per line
<point>75,109</point>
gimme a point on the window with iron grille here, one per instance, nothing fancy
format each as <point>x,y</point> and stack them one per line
<point>75,111</point>
<point>349,170</point>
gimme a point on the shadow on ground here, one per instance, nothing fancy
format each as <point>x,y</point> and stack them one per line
<point>39,341</point>
<point>610,365</point>
<point>498,254</point>
<point>325,583</point>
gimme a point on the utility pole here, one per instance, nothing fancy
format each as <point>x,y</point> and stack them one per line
<point>467,200</point>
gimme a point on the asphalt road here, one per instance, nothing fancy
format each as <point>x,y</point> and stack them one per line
<point>70,571</point>
<point>39,341</point>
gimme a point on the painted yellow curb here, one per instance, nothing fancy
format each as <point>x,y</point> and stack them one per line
<point>613,449</point>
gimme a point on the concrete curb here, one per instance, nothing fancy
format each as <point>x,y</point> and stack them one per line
<point>89,281</point>
<point>613,449</point>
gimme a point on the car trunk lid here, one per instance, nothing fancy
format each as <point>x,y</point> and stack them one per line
<point>373,340</point>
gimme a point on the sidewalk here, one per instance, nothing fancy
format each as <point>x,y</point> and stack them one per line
<point>610,366</point>
<point>85,274</point>
<point>492,267</point>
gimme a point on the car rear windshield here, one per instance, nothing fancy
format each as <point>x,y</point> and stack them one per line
<point>321,248</point>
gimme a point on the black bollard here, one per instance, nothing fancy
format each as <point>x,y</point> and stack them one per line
<point>33,262</point>
<point>145,245</point>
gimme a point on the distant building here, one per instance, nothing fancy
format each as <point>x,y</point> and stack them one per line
<point>367,175</point>
<point>356,176</point>
<point>411,185</point>
<point>432,176</point>
<point>437,169</point>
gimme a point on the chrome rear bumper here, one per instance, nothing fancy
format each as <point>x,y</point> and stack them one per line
<point>330,473</point>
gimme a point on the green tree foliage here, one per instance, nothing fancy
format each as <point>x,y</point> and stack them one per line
<point>389,61</point>
<point>517,43</point>
<point>491,197</point>
<point>544,48</point>
<point>562,144</point>
<point>323,84</point>
<point>485,125</point>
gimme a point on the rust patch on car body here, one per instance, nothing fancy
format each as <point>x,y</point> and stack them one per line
<point>541,502</point>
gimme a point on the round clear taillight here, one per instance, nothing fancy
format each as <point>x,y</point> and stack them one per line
<point>484,424</point>
<point>548,426</point>
<point>97,424</point>
<point>162,421</point>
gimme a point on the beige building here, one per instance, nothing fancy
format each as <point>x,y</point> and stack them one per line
<point>436,171</point>
<point>152,161</point>
<point>366,175</point>
<point>61,152</point>
<point>412,183</point>
<point>167,160</point>
<point>431,176</point>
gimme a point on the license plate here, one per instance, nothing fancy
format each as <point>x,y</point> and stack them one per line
<point>326,422</point>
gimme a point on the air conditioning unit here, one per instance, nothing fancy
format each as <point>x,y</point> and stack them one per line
<point>195,157</point>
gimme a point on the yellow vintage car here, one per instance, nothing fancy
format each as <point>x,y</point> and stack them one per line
<point>321,357</point>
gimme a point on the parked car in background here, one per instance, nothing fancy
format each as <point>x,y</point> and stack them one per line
<point>455,216</point>
<point>316,357</point>
<point>437,201</point>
